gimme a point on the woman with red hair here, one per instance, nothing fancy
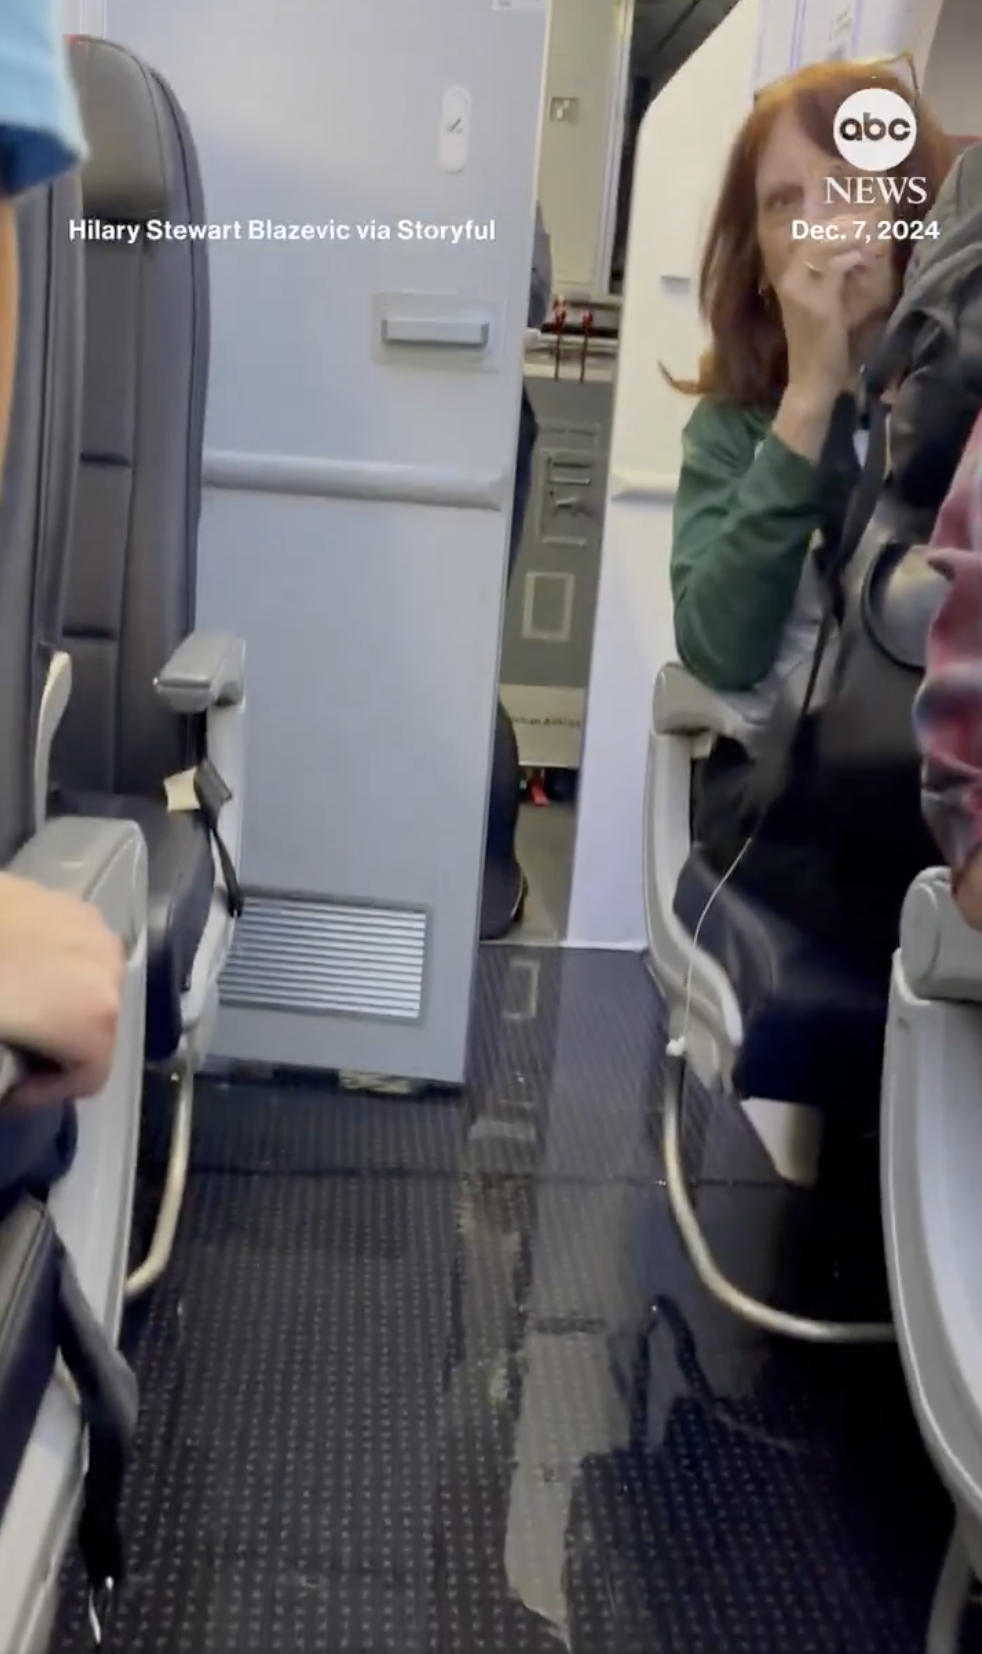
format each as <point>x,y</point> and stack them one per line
<point>770,457</point>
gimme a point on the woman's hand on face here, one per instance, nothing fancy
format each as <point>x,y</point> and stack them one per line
<point>811,296</point>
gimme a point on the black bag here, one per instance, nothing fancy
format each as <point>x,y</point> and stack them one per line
<point>848,717</point>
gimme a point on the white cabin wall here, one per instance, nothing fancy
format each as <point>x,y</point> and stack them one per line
<point>952,73</point>
<point>84,16</point>
<point>919,29</point>
<point>585,40</point>
<point>683,141</point>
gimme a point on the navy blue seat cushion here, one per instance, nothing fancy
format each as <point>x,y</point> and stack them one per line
<point>813,1030</point>
<point>37,1149</point>
<point>182,880</point>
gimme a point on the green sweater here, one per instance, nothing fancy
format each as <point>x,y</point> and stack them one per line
<point>745,512</point>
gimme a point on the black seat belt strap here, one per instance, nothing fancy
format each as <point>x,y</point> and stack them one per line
<point>212,794</point>
<point>109,1402</point>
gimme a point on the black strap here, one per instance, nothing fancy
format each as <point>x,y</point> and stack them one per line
<point>109,1403</point>
<point>212,794</point>
<point>865,496</point>
<point>839,469</point>
<point>769,775</point>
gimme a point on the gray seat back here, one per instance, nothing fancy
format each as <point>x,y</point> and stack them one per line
<point>133,571</point>
<point>37,493</point>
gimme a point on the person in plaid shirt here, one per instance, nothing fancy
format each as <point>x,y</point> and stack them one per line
<point>948,708</point>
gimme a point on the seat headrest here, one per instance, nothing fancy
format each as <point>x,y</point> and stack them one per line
<point>127,178</point>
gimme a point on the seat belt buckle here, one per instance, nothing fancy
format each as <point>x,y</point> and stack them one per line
<point>211,791</point>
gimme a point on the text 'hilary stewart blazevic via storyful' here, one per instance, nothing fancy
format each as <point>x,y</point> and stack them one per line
<point>267,229</point>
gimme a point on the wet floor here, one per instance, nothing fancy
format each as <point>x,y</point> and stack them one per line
<point>433,1377</point>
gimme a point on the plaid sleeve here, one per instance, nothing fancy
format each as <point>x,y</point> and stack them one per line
<point>40,128</point>
<point>948,708</point>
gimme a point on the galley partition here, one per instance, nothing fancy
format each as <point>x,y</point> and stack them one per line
<point>361,434</point>
<point>692,121</point>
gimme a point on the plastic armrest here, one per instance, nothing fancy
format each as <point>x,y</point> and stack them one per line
<point>941,955</point>
<point>206,671</point>
<point>206,676</point>
<point>684,706</point>
<point>103,862</point>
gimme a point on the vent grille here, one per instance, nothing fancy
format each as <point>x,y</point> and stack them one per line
<point>322,958</point>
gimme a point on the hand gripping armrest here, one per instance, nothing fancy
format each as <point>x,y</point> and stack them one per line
<point>941,955</point>
<point>206,671</point>
<point>684,706</point>
<point>103,862</point>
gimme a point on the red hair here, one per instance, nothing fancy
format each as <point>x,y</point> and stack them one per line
<point>747,360</point>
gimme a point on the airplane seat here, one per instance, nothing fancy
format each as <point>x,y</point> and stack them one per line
<point>37,503</point>
<point>154,732</point>
<point>66,1175</point>
<point>763,1012</point>
<point>931,1161</point>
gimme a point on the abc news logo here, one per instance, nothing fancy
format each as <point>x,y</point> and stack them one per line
<point>874,132</point>
<point>856,129</point>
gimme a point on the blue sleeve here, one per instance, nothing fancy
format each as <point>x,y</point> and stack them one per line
<point>40,127</point>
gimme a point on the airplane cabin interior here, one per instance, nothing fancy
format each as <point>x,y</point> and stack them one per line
<point>497,1231</point>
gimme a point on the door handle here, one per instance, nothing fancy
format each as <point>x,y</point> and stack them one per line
<point>443,333</point>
